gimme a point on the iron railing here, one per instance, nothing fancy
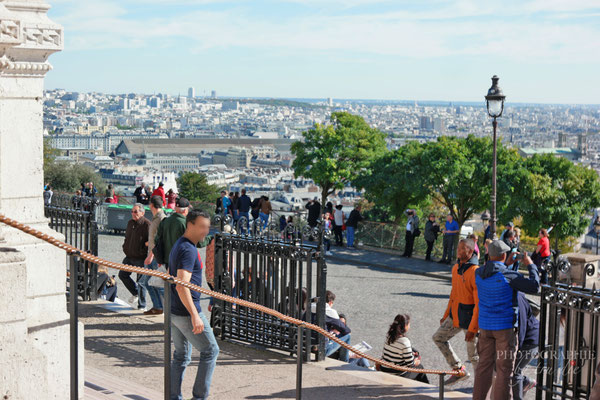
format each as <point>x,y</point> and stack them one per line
<point>80,230</point>
<point>276,269</point>
<point>392,237</point>
<point>569,336</point>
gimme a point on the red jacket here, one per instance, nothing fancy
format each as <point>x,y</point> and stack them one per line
<point>159,191</point>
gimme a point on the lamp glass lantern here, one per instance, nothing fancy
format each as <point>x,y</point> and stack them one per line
<point>495,99</point>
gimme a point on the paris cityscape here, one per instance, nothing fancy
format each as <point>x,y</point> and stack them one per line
<point>341,199</point>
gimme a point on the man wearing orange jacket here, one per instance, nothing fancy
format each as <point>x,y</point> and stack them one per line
<point>462,311</point>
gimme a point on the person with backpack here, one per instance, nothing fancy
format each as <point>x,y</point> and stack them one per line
<point>462,312</point>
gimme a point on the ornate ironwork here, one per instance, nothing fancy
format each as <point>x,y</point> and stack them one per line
<point>80,230</point>
<point>569,335</point>
<point>277,268</point>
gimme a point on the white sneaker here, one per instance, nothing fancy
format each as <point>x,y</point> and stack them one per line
<point>133,300</point>
<point>328,253</point>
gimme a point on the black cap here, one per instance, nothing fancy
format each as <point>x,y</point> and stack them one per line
<point>182,202</point>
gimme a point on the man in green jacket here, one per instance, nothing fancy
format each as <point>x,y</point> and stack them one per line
<point>173,227</point>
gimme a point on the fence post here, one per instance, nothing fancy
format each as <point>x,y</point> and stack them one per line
<point>442,386</point>
<point>299,343</point>
<point>167,339</point>
<point>73,320</point>
<point>321,289</point>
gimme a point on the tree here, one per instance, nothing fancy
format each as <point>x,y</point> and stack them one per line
<point>194,187</point>
<point>556,192</point>
<point>458,174</point>
<point>393,182</point>
<point>50,153</point>
<point>63,176</point>
<point>332,155</point>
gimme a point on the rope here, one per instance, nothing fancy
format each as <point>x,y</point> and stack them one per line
<point>144,271</point>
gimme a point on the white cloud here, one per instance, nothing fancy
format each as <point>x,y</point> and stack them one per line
<point>464,27</point>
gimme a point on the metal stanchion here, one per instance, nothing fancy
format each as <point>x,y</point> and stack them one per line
<point>299,342</point>
<point>73,309</point>
<point>167,339</point>
<point>442,386</point>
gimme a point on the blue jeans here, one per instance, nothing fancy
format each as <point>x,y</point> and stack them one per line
<point>332,347</point>
<point>156,293</point>
<point>205,343</point>
<point>264,218</point>
<point>134,288</point>
<point>350,236</point>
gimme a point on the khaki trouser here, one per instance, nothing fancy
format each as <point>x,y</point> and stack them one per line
<point>441,338</point>
<point>495,348</point>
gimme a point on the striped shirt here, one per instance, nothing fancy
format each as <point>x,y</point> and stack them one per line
<point>400,352</point>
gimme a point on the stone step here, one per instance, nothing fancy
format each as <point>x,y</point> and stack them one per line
<point>100,385</point>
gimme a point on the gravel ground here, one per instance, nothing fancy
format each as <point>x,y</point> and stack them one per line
<point>371,298</point>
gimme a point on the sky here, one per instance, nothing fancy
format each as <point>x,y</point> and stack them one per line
<point>544,51</point>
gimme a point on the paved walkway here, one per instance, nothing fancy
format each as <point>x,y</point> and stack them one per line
<point>391,261</point>
<point>122,345</point>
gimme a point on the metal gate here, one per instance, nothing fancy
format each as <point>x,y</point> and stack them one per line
<point>569,334</point>
<point>276,269</point>
<point>80,230</point>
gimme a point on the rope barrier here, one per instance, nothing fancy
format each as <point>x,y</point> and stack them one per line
<point>144,271</point>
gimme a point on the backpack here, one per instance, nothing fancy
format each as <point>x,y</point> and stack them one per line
<point>159,247</point>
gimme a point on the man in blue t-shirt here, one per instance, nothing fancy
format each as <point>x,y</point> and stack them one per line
<point>450,232</point>
<point>189,325</point>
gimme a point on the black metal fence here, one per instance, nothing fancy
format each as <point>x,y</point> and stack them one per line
<point>80,230</point>
<point>569,333</point>
<point>277,269</point>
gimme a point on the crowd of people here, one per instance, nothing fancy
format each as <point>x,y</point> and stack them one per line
<point>170,244</point>
<point>488,304</point>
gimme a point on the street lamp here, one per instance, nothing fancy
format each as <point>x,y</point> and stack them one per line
<point>495,105</point>
<point>597,229</point>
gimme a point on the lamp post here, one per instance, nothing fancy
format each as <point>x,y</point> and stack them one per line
<point>597,230</point>
<point>495,105</point>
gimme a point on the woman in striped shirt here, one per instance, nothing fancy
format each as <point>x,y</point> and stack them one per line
<point>398,350</point>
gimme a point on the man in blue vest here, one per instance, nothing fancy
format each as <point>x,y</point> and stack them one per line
<point>497,288</point>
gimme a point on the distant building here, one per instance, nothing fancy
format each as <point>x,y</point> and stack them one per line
<point>230,106</point>
<point>425,123</point>
<point>235,157</point>
<point>330,102</point>
<point>566,152</point>
<point>439,125</point>
<point>191,93</point>
<point>213,94</point>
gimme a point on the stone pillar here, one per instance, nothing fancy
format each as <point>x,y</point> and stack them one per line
<point>34,356</point>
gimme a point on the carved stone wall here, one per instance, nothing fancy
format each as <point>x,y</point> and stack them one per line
<point>34,357</point>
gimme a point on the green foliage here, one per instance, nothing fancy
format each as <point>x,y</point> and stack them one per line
<point>50,153</point>
<point>63,176</point>
<point>332,155</point>
<point>543,190</point>
<point>454,172</point>
<point>393,181</point>
<point>194,187</point>
<point>556,192</point>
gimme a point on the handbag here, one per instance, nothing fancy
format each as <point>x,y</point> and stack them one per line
<point>417,232</point>
<point>155,280</point>
<point>343,227</point>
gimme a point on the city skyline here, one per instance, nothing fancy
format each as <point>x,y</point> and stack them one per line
<point>543,51</point>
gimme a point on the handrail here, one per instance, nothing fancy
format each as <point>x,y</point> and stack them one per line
<point>144,271</point>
